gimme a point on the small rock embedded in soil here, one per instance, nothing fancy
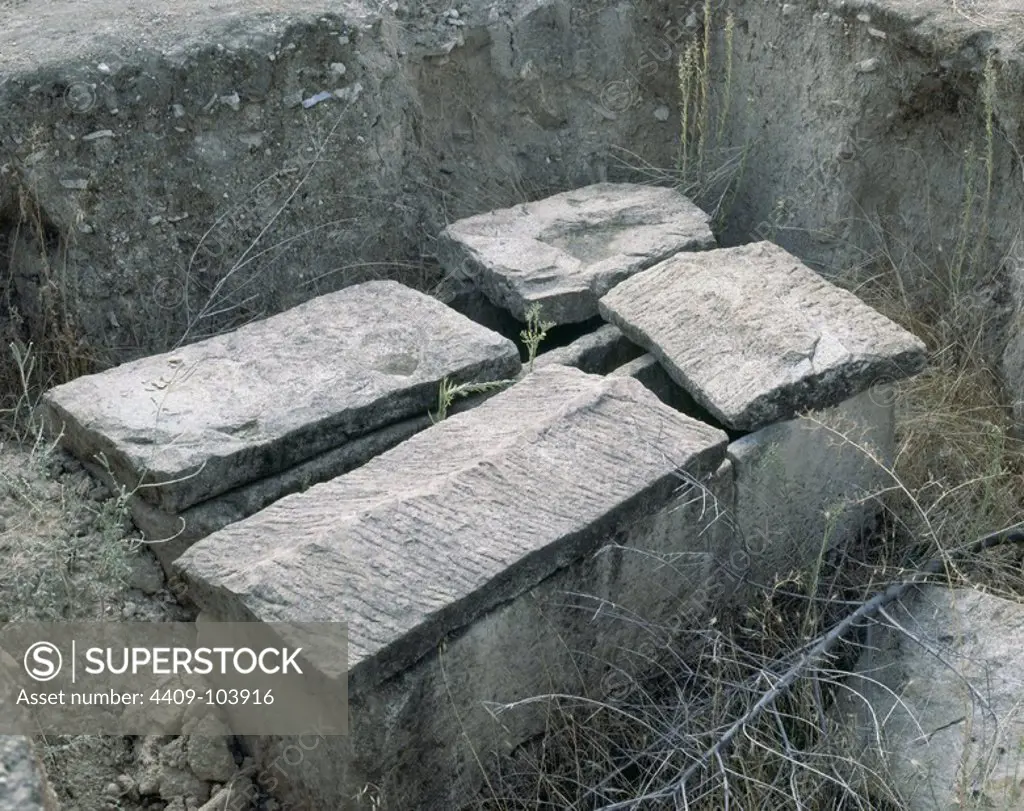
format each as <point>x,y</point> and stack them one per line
<point>312,101</point>
<point>209,757</point>
<point>868,65</point>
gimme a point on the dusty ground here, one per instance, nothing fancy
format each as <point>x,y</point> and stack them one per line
<point>68,555</point>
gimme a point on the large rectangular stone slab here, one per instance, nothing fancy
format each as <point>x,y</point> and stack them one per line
<point>566,251</point>
<point>426,736</point>
<point>757,337</point>
<point>457,519</point>
<point>202,420</point>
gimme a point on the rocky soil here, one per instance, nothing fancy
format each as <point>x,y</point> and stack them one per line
<point>70,555</point>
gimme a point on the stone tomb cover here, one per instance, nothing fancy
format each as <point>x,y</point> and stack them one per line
<point>233,409</point>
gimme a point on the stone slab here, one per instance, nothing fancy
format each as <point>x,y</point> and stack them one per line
<point>566,251</point>
<point>933,710</point>
<point>240,407</point>
<point>587,630</point>
<point>457,519</point>
<point>756,336</point>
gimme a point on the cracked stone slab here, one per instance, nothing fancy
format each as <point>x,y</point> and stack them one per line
<point>468,514</point>
<point>757,337</point>
<point>566,251</point>
<point>237,408</point>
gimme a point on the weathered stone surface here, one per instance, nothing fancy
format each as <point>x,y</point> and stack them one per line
<point>583,631</point>
<point>566,251</point>
<point>805,485</point>
<point>938,715</point>
<point>170,534</point>
<point>459,518</point>
<point>236,408</point>
<point>756,337</point>
<point>23,782</point>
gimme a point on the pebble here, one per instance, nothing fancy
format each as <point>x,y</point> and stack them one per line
<point>127,785</point>
<point>146,574</point>
<point>868,65</point>
<point>338,68</point>
<point>232,100</point>
<point>350,93</point>
<point>312,101</point>
<point>661,113</point>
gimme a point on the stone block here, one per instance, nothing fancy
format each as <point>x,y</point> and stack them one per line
<point>523,534</point>
<point>205,419</point>
<point>805,485</point>
<point>934,707</point>
<point>757,337</point>
<point>566,251</point>
<point>472,511</point>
